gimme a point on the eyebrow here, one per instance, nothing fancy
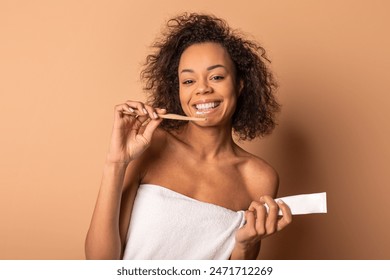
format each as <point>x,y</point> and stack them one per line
<point>208,68</point>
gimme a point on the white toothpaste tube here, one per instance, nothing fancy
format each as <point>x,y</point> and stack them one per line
<point>305,203</point>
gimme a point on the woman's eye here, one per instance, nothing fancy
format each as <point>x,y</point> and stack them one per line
<point>187,82</point>
<point>216,78</point>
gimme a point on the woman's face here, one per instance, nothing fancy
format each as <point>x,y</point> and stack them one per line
<point>207,83</point>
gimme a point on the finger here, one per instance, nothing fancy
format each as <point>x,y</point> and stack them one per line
<point>161,111</point>
<point>122,112</point>
<point>151,112</point>
<point>143,118</point>
<point>138,107</point>
<point>287,216</point>
<point>150,128</point>
<point>272,217</point>
<point>129,109</point>
<point>250,219</point>
<point>135,129</point>
<point>248,231</point>
<point>261,216</point>
<point>124,108</point>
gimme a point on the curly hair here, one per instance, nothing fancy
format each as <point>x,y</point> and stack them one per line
<point>256,106</point>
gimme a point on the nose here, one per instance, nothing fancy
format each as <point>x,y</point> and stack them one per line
<point>203,87</point>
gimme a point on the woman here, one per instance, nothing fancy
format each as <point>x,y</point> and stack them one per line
<point>184,189</point>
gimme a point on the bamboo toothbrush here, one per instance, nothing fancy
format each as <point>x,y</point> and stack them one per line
<point>174,117</point>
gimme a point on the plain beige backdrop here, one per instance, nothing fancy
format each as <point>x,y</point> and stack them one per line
<point>65,64</point>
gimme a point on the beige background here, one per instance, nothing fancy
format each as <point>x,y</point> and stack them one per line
<point>65,64</point>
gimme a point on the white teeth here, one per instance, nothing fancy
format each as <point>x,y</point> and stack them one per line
<point>206,106</point>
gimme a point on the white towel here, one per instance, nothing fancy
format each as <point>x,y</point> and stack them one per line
<point>168,225</point>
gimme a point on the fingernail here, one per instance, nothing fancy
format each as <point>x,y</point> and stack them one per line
<point>131,110</point>
<point>144,110</point>
<point>280,201</point>
<point>155,115</point>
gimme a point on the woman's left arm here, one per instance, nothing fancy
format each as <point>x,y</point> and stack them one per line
<point>260,223</point>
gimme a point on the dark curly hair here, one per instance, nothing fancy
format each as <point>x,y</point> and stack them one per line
<point>256,105</point>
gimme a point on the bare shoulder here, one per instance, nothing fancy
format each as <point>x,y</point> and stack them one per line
<point>260,177</point>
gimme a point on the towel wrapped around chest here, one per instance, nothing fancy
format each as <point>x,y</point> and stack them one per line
<point>166,225</point>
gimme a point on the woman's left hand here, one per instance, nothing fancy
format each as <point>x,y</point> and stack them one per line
<point>260,223</point>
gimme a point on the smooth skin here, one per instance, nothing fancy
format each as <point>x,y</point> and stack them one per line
<point>200,160</point>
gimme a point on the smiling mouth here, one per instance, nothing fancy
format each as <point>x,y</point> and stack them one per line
<point>204,108</point>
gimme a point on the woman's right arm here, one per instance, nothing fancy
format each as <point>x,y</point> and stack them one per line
<point>128,141</point>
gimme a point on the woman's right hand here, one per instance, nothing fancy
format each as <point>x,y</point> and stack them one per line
<point>134,125</point>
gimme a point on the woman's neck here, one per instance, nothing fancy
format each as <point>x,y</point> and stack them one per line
<point>208,143</point>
